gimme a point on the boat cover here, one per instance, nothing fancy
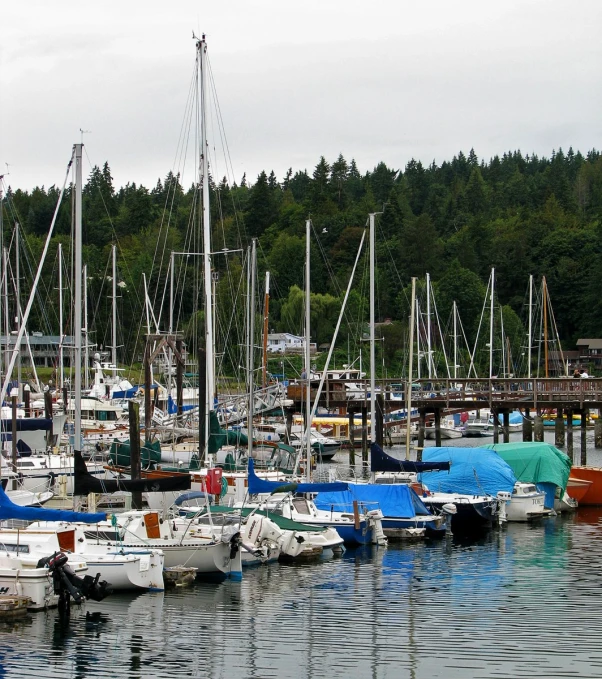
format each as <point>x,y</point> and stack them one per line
<point>120,453</point>
<point>474,471</point>
<point>27,424</point>
<point>539,463</point>
<point>395,500</point>
<point>382,462</point>
<point>84,482</point>
<point>9,510</point>
<point>261,486</point>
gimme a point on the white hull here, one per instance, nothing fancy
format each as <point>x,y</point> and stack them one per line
<point>128,571</point>
<point>527,503</point>
<point>446,433</point>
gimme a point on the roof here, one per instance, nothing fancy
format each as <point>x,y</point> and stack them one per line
<point>590,343</point>
<point>283,336</point>
<point>38,340</point>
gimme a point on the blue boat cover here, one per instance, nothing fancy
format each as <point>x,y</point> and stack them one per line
<point>27,424</point>
<point>261,486</point>
<point>382,462</point>
<point>9,510</point>
<point>474,471</point>
<point>395,500</point>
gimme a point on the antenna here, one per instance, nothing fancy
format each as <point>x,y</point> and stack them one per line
<point>84,132</point>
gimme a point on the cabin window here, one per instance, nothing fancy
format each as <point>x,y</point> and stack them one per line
<point>301,506</point>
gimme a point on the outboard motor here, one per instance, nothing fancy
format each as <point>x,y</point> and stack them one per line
<point>69,586</point>
<point>449,510</point>
<point>503,498</point>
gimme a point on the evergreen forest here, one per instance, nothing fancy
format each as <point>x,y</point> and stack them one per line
<point>522,215</point>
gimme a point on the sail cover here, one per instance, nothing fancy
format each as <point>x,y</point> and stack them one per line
<point>85,483</point>
<point>381,462</point>
<point>9,510</point>
<point>395,500</point>
<point>259,486</point>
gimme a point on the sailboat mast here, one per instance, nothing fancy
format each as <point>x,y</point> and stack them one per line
<point>429,352</point>
<point>6,309</point>
<point>491,325</point>
<point>60,261</point>
<point>85,331</point>
<point>266,318</point>
<point>251,409</point>
<point>372,337</point>
<point>77,315</point>
<point>530,337</point>
<point>544,296</point>
<point>18,301</point>
<point>307,353</point>
<point>209,339</point>
<point>410,371</point>
<point>455,313</point>
<point>114,328</point>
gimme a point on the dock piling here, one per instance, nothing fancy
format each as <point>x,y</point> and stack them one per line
<point>538,428</point>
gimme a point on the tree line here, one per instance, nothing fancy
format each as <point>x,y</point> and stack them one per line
<point>521,214</point>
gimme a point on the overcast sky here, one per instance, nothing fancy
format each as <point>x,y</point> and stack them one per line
<point>386,80</point>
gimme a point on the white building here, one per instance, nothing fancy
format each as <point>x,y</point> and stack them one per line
<point>282,342</point>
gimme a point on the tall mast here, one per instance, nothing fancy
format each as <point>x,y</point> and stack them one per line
<point>61,330</point>
<point>491,326</point>
<point>429,353</point>
<point>455,312</point>
<point>544,296</point>
<point>6,309</point>
<point>77,316</point>
<point>417,307</point>
<point>372,337</point>
<point>266,319</point>
<point>410,370</point>
<point>204,162</point>
<point>86,334</point>
<point>251,409</point>
<point>18,301</point>
<point>530,336</point>
<point>114,328</point>
<point>2,362</point>
<point>307,353</point>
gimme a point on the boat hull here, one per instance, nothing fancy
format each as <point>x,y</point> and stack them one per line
<point>593,494</point>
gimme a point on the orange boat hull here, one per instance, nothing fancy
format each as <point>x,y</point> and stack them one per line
<point>593,493</point>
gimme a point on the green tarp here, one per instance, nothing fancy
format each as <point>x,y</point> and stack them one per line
<point>280,521</point>
<point>150,453</point>
<point>535,462</point>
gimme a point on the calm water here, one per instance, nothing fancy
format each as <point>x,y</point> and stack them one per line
<point>524,601</point>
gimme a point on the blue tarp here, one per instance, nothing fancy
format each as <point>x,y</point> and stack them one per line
<point>394,500</point>
<point>474,471</point>
<point>261,486</point>
<point>9,510</point>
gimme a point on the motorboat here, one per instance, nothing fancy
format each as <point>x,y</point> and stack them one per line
<point>448,430</point>
<point>526,504</point>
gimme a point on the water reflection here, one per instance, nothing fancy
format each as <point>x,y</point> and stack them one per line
<point>518,602</point>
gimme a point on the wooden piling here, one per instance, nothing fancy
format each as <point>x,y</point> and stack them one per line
<point>421,419</point>
<point>569,434</point>
<point>27,400</point>
<point>598,432</point>
<point>584,417</point>
<point>506,426</point>
<point>134,421</point>
<point>351,425</point>
<point>559,428</point>
<point>365,436</point>
<point>527,426</point>
<point>538,429</point>
<point>496,426</point>
<point>438,427</point>
<point>380,419</point>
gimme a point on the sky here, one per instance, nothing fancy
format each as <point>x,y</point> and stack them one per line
<point>386,80</point>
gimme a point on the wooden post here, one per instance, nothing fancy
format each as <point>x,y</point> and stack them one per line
<point>27,399</point>
<point>350,425</point>
<point>134,420</point>
<point>559,428</point>
<point>506,426</point>
<point>569,434</point>
<point>438,427</point>
<point>598,432</point>
<point>380,419</point>
<point>538,429</point>
<point>179,380</point>
<point>584,416</point>
<point>364,435</point>
<point>48,405</point>
<point>527,426</point>
<point>421,419</point>
<point>289,424</point>
<point>147,390</point>
<point>496,424</point>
